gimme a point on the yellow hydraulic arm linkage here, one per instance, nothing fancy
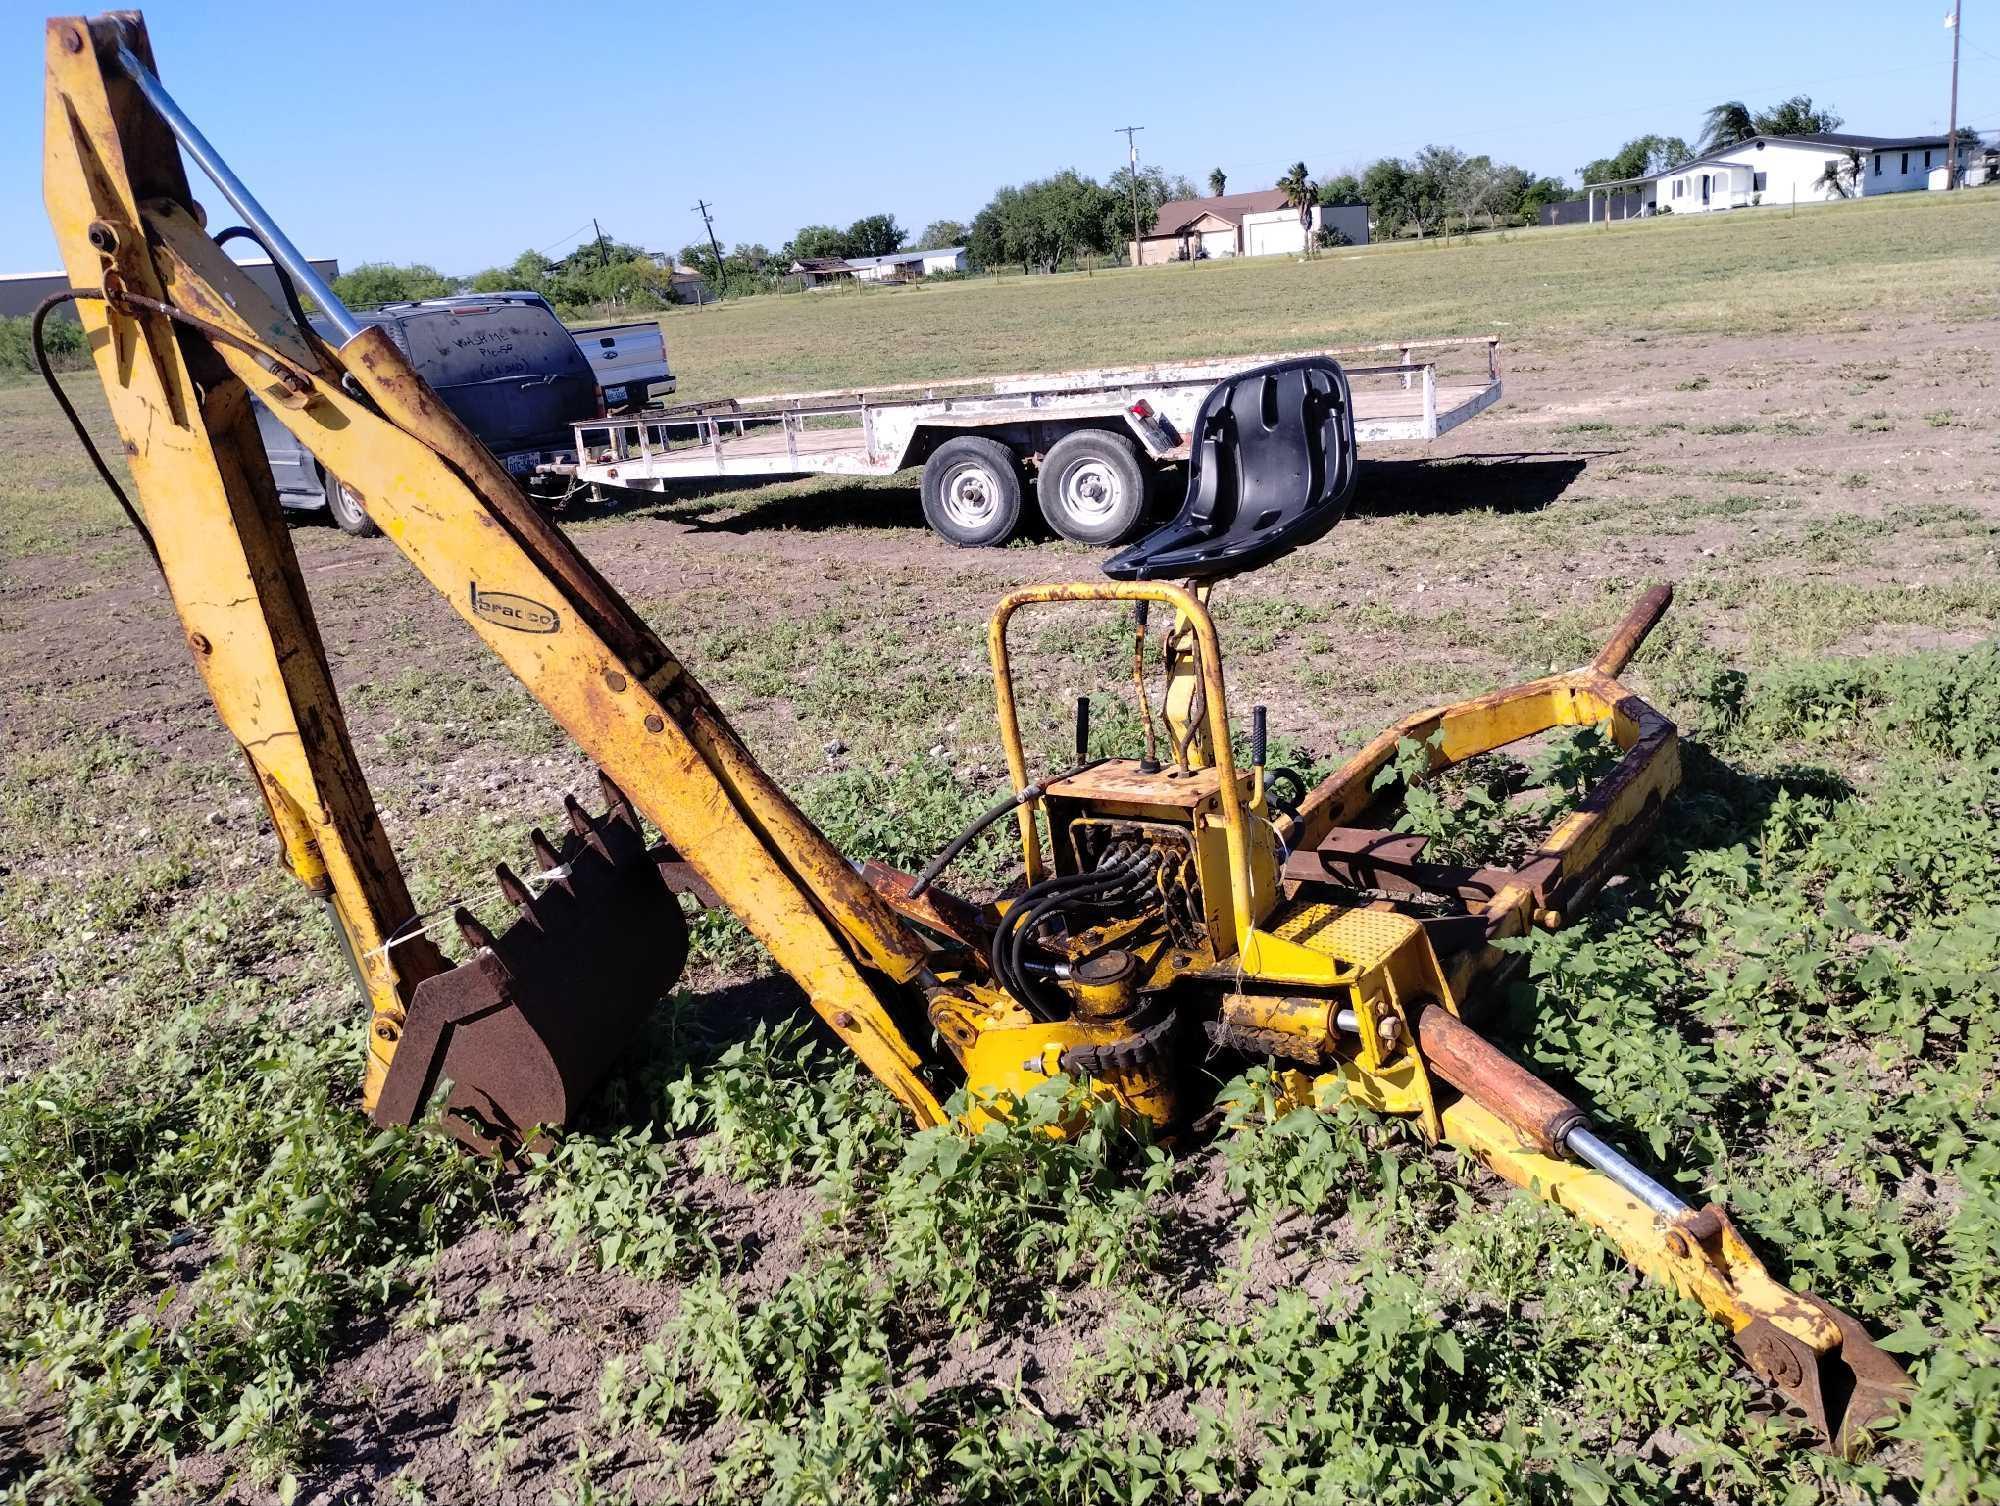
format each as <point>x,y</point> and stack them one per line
<point>181,337</point>
<point>1163,902</point>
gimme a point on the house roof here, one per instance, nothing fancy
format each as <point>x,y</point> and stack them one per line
<point>1841,140</point>
<point>822,264</point>
<point>900,258</point>
<point>1177,214</point>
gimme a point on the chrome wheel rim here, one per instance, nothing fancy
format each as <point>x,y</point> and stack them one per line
<point>1090,490</point>
<point>971,495</point>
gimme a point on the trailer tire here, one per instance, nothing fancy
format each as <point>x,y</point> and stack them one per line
<point>346,510</point>
<point>972,492</point>
<point>1092,487</point>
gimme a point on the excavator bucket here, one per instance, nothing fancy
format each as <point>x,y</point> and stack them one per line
<point>527,1026</point>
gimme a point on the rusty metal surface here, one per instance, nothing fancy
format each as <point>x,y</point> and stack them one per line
<point>533,1021</point>
<point>1494,1080</point>
<point>936,909</point>
<point>1632,630</point>
<point>1845,1392</point>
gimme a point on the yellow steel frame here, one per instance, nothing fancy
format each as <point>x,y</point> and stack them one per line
<point>112,179</point>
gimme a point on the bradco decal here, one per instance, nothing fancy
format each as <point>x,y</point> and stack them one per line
<point>504,609</point>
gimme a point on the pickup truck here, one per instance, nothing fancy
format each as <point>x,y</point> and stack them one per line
<point>630,363</point>
<point>503,362</point>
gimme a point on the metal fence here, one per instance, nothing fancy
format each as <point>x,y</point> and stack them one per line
<point>1613,206</point>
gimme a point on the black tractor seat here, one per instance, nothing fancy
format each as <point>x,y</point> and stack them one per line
<point>1270,465</point>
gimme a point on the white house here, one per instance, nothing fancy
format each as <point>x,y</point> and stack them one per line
<point>1789,169</point>
<point>908,266</point>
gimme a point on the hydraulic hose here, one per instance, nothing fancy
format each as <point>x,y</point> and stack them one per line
<point>964,839</point>
<point>1102,887</point>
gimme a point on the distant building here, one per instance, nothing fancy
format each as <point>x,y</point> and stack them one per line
<point>21,291</point>
<point>815,270</point>
<point>908,266</point>
<point>898,266</point>
<point>1259,223</point>
<point>1777,170</point>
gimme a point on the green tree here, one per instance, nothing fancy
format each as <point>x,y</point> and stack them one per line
<point>941,233</point>
<point>1726,124</point>
<point>816,240</point>
<point>1345,189</point>
<point>1638,158</point>
<point>1156,187</point>
<point>1842,175</point>
<point>1435,183</point>
<point>1542,191</point>
<point>1218,182</point>
<point>1046,222</point>
<point>1796,116</point>
<point>376,282</point>
<point>875,235</point>
<point>1385,188</point>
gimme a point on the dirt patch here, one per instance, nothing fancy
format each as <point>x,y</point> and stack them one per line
<point>1776,480</point>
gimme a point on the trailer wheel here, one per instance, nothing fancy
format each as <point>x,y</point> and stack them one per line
<point>348,513</point>
<point>972,492</point>
<point>1092,487</point>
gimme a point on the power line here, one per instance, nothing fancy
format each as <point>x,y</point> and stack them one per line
<point>564,240</point>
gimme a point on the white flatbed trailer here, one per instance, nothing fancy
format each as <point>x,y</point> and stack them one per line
<point>1091,435</point>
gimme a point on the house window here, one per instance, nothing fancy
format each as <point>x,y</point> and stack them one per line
<point>1927,161</point>
<point>1759,182</point>
<point>1906,162</point>
<point>1878,164</point>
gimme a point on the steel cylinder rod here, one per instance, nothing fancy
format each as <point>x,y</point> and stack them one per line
<point>1594,1153</point>
<point>240,198</point>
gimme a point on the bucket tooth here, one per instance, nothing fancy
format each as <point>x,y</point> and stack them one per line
<point>517,893</point>
<point>545,854</point>
<point>473,930</point>
<point>615,802</point>
<point>527,1026</point>
<point>581,823</point>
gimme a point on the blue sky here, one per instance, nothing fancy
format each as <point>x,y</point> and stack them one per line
<point>460,134</point>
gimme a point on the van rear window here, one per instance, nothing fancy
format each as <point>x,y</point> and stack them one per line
<point>452,348</point>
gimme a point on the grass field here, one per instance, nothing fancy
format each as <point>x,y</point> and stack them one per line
<point>741,1278</point>
<point>1822,270</point>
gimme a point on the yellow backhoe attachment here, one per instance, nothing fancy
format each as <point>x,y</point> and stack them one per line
<point>1169,908</point>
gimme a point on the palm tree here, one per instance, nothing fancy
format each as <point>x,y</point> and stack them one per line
<point>1842,177</point>
<point>1301,193</point>
<point>1726,124</point>
<point>1218,181</point>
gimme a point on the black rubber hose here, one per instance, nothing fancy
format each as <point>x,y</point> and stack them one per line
<point>1007,964</point>
<point>42,310</point>
<point>1001,946</point>
<point>1099,888</point>
<point>964,839</point>
<point>1287,804</point>
<point>244,232</point>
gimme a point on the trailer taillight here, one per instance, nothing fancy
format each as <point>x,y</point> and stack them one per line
<point>1142,410</point>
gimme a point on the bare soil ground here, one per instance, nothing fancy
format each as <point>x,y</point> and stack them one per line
<point>1808,495</point>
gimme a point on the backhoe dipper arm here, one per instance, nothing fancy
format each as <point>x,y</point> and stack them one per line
<point>178,383</point>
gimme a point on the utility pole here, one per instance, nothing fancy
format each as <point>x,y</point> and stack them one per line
<point>701,207</point>
<point>1951,133</point>
<point>603,256</point>
<point>1132,156</point>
